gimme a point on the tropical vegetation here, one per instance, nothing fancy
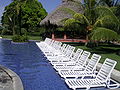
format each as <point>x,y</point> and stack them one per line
<point>100,20</point>
<point>21,18</point>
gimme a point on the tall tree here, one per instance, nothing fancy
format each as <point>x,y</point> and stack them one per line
<point>21,14</point>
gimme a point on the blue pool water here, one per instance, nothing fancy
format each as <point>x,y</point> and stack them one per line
<point>30,64</point>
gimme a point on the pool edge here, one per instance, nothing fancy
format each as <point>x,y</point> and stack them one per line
<point>17,83</point>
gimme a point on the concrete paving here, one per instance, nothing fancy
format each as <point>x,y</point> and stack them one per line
<point>6,82</point>
<point>9,80</point>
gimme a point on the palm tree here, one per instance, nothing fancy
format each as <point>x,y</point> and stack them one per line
<point>101,23</point>
<point>109,3</point>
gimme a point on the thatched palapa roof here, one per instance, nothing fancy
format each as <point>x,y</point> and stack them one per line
<point>63,11</point>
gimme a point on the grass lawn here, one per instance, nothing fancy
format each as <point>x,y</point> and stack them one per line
<point>106,51</point>
<point>7,36</point>
<point>35,38</point>
<point>30,37</point>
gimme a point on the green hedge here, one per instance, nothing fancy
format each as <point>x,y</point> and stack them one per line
<point>18,38</point>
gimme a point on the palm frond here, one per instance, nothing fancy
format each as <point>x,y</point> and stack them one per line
<point>107,21</point>
<point>67,10</point>
<point>70,21</point>
<point>100,33</point>
<point>81,18</point>
<point>103,11</point>
<point>72,25</point>
<point>63,20</point>
<point>106,16</point>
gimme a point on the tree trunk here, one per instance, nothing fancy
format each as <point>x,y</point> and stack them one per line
<point>13,26</point>
<point>13,30</point>
<point>19,16</point>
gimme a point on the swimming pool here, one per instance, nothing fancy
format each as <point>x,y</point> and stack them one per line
<point>29,63</point>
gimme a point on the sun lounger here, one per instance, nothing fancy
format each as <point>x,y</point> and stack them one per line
<point>79,65</point>
<point>102,78</point>
<point>88,71</point>
<point>64,57</point>
<point>74,58</point>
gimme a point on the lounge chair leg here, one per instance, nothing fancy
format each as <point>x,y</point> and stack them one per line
<point>112,86</point>
<point>87,88</point>
<point>74,88</point>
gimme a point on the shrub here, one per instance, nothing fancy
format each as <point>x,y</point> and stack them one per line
<point>118,52</point>
<point>24,38</point>
<point>18,38</point>
<point>92,44</point>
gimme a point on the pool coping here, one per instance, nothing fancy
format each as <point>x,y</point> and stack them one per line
<point>115,73</point>
<point>18,42</point>
<point>17,83</point>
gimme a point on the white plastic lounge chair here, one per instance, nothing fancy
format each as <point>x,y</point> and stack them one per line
<point>63,49</point>
<point>65,57</point>
<point>58,55</point>
<point>88,71</point>
<point>46,42</point>
<point>79,65</point>
<point>57,46</point>
<point>49,46</point>
<point>74,58</point>
<point>59,52</point>
<point>102,78</point>
<point>44,46</point>
<point>53,48</point>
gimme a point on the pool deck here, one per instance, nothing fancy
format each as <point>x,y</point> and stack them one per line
<point>9,80</point>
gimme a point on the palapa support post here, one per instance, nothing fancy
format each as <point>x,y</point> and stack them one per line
<point>65,36</point>
<point>53,36</point>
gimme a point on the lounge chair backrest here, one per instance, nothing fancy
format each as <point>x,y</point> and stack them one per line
<point>106,70</point>
<point>77,54</point>
<point>70,51</point>
<point>58,45</point>
<point>65,50</point>
<point>92,63</point>
<point>52,43</point>
<point>63,47</point>
<point>48,40</point>
<point>83,58</point>
<point>55,45</point>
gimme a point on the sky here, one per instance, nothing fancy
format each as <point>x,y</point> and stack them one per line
<point>49,5</point>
